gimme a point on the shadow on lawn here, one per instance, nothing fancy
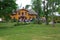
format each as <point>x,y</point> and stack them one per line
<point>5,27</point>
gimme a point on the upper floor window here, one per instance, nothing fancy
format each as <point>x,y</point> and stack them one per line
<point>19,13</point>
<point>22,13</point>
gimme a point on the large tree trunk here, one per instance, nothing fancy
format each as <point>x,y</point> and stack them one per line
<point>46,19</point>
<point>53,9</point>
<point>46,12</point>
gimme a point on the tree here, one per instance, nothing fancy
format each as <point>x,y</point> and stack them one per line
<point>50,7</point>
<point>54,4</point>
<point>6,7</point>
<point>36,5</point>
<point>53,7</point>
<point>27,6</point>
<point>45,10</point>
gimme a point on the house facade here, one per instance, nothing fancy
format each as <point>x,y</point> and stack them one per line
<point>23,14</point>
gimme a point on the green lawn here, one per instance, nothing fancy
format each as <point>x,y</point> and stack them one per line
<point>29,32</point>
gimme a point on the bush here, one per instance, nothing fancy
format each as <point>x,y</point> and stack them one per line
<point>20,23</point>
<point>36,21</point>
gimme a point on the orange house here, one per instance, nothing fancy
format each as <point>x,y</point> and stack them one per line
<point>24,14</point>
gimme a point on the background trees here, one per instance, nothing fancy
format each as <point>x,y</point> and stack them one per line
<point>49,7</point>
<point>6,7</point>
<point>36,5</point>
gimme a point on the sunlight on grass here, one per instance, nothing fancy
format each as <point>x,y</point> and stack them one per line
<point>29,32</point>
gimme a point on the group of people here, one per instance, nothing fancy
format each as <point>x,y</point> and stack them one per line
<point>25,20</point>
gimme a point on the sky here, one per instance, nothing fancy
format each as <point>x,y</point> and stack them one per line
<point>23,3</point>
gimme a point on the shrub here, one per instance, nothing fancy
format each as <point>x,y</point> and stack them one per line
<point>35,21</point>
<point>20,23</point>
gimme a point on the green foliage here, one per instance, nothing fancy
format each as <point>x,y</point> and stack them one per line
<point>51,4</point>
<point>54,1</point>
<point>21,23</point>
<point>27,6</point>
<point>36,5</point>
<point>58,10</point>
<point>6,7</point>
<point>35,21</point>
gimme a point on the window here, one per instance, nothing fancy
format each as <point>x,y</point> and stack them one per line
<point>19,13</point>
<point>22,13</point>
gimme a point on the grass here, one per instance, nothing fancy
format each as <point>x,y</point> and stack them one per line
<point>29,32</point>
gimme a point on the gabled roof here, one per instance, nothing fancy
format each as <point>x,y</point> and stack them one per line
<point>31,11</point>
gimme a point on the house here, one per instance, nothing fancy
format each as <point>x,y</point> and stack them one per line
<point>23,14</point>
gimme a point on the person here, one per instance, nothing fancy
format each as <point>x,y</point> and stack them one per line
<point>43,19</point>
